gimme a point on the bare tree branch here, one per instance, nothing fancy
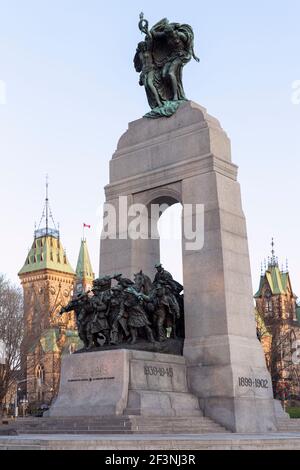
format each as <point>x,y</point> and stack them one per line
<point>11,333</point>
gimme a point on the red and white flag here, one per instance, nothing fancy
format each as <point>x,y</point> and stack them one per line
<point>86,225</point>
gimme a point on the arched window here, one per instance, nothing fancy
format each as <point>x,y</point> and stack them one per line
<point>268,302</point>
<point>40,375</point>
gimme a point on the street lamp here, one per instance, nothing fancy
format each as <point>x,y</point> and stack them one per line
<point>19,389</point>
<point>24,403</point>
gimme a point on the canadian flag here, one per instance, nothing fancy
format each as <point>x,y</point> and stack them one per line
<point>86,225</point>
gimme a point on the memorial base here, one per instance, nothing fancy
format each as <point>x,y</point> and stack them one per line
<point>124,382</point>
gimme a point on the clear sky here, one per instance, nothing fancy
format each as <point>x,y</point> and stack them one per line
<point>71,89</point>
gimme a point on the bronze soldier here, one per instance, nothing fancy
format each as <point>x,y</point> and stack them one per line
<point>101,305</point>
<point>137,317</point>
<point>162,274</point>
<point>174,309</point>
<point>82,307</point>
<point>116,316</point>
<point>164,277</point>
<point>162,312</point>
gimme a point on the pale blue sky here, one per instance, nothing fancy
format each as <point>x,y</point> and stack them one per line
<point>71,90</point>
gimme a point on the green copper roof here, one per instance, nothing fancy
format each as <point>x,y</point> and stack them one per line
<point>84,268</point>
<point>277,281</point>
<point>260,323</point>
<point>46,253</point>
<point>261,283</point>
<point>285,280</point>
<point>73,342</point>
<point>48,341</point>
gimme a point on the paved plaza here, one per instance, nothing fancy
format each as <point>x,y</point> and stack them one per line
<point>274,441</point>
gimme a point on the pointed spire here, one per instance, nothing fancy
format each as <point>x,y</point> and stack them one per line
<point>47,215</point>
<point>47,204</point>
<point>272,245</point>
<point>84,270</point>
<point>273,260</point>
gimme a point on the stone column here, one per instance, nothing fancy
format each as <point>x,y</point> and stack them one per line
<point>227,368</point>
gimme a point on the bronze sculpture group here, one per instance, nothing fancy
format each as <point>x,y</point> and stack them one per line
<point>124,310</point>
<point>129,311</point>
<point>159,59</point>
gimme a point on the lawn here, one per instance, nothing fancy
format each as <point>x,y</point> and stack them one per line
<point>294,412</point>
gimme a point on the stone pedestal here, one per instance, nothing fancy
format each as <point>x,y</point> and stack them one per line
<point>124,382</point>
<point>187,159</point>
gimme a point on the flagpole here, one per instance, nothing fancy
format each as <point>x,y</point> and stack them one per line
<point>83,231</point>
<point>84,226</point>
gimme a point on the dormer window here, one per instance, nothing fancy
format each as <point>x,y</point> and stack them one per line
<point>268,306</point>
<point>268,294</point>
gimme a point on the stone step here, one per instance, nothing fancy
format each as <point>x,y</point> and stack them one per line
<point>21,446</point>
<point>119,432</point>
<point>288,425</point>
<point>118,425</point>
<point>288,420</point>
<point>128,426</point>
<point>121,421</point>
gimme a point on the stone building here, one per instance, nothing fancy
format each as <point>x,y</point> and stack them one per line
<point>278,327</point>
<point>49,282</point>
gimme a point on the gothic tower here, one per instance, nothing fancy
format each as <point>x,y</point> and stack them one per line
<point>278,327</point>
<point>48,282</point>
